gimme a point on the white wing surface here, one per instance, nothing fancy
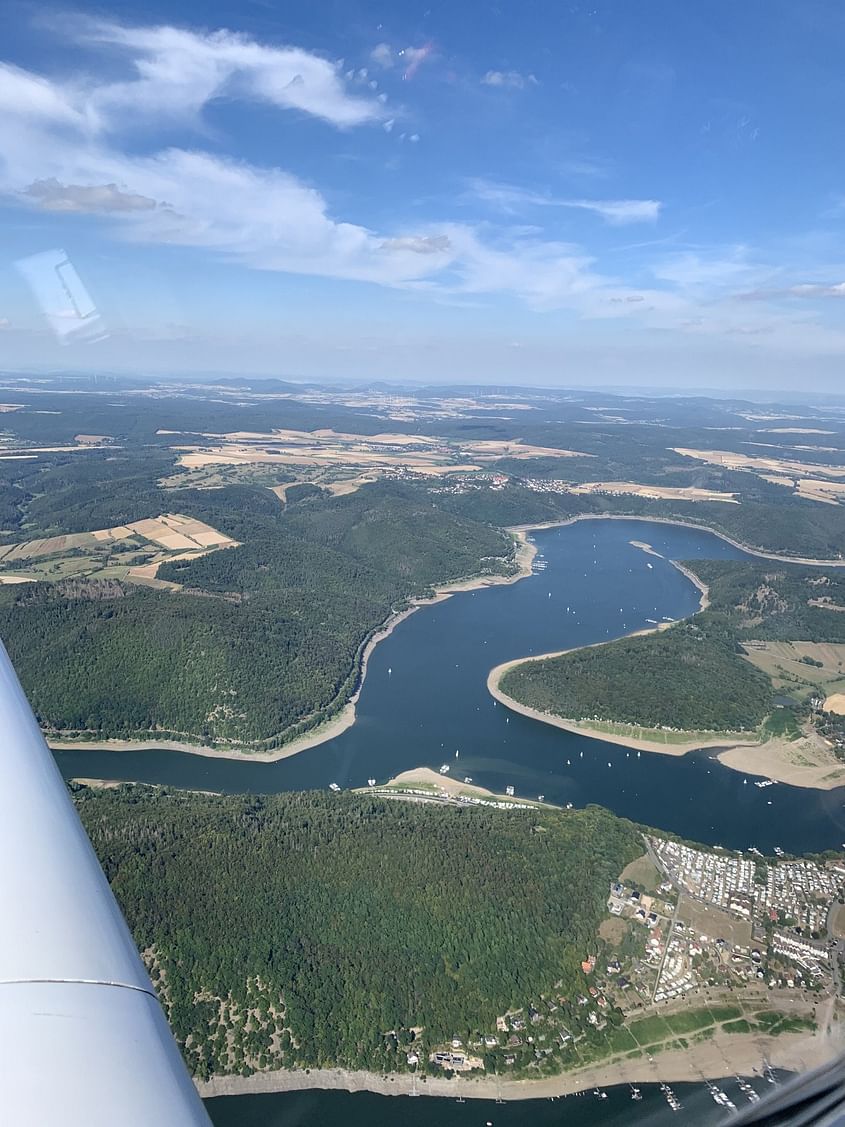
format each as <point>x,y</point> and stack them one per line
<point>83,1039</point>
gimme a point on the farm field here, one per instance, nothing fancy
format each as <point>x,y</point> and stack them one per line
<point>654,492</point>
<point>789,666</point>
<point>132,551</point>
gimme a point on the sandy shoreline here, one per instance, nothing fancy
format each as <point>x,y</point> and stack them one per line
<point>784,761</point>
<point>523,557</point>
<point>794,1052</point>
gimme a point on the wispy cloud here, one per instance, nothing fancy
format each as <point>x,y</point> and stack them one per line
<point>619,212</point>
<point>383,56</point>
<point>178,72</point>
<point>508,79</point>
<point>511,199</point>
<point>803,290</point>
<point>70,145</point>
<point>52,195</point>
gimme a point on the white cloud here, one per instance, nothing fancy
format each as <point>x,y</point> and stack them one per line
<point>413,58</point>
<point>419,244</point>
<point>62,150</point>
<point>508,79</point>
<point>714,272</point>
<point>619,212</point>
<point>382,56</point>
<point>176,73</point>
<point>804,289</point>
<point>29,96</point>
<point>52,195</point>
<point>511,198</point>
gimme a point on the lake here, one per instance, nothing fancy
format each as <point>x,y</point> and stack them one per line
<point>425,699</point>
<point>425,703</point>
<point>363,1109</point>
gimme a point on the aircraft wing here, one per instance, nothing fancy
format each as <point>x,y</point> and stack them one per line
<point>83,1038</point>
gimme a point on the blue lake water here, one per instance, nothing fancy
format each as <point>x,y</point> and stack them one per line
<point>425,698</point>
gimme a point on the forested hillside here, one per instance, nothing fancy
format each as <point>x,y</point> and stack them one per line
<point>313,930</point>
<point>693,675</point>
<point>266,636</point>
<point>686,677</point>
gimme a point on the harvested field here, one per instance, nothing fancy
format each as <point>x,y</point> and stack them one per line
<point>830,492</point>
<point>734,461</point>
<point>493,448</point>
<point>133,551</point>
<point>782,661</point>
<point>654,492</point>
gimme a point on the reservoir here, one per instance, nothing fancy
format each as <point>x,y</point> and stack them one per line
<point>424,702</point>
<point>316,1108</point>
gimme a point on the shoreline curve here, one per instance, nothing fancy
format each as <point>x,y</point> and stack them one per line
<point>765,758</point>
<point>343,720</point>
<point>792,1052</point>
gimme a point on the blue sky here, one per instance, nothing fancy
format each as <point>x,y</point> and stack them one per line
<point>530,192</point>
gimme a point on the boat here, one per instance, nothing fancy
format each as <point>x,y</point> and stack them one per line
<point>467,778</point>
<point>371,782</point>
<point>764,783</point>
<point>541,798</point>
<point>457,753</point>
<point>509,791</point>
<point>636,1094</point>
<point>334,787</point>
<point>650,566</point>
<point>671,1099</point>
<point>599,1094</point>
<point>444,770</point>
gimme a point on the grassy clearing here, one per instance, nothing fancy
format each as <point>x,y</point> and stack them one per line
<point>689,1021</point>
<point>642,872</point>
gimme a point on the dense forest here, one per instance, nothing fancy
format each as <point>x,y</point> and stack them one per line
<point>693,676</point>
<point>311,930</point>
<point>266,637</point>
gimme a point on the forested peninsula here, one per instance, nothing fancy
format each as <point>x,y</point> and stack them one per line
<point>426,923</point>
<point>714,677</point>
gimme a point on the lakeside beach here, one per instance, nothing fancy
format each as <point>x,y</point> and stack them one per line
<point>705,1060</point>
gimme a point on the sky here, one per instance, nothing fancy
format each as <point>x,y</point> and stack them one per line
<point>638,192</point>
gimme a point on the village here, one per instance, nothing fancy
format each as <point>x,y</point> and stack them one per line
<point>769,920</point>
<point>696,942</point>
